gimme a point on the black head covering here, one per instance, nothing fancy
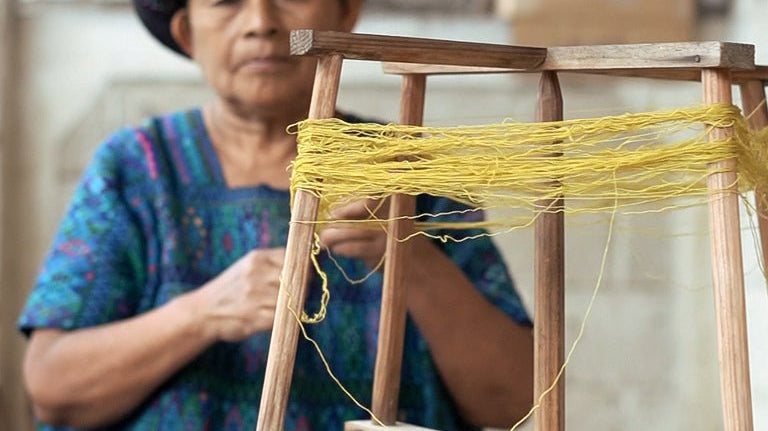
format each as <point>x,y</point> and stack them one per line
<point>156,17</point>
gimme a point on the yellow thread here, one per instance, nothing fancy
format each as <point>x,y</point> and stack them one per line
<point>657,156</point>
<point>587,313</point>
<point>752,214</point>
<point>354,281</point>
<point>328,366</point>
<point>326,295</point>
<point>636,163</point>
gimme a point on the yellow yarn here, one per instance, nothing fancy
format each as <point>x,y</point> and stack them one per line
<point>633,163</point>
<point>642,161</point>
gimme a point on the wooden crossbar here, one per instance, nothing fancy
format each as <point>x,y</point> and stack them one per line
<point>697,55</point>
<point>621,57</point>
<point>409,49</point>
<point>759,73</point>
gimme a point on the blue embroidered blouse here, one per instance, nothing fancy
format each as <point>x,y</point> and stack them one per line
<point>153,218</point>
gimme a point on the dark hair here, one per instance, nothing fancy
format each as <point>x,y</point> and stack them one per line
<point>156,16</point>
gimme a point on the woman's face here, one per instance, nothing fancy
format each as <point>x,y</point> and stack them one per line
<point>243,49</point>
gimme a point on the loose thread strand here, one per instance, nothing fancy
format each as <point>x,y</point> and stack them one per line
<point>582,327</point>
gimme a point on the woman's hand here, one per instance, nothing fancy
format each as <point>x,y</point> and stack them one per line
<point>355,240</point>
<point>241,301</point>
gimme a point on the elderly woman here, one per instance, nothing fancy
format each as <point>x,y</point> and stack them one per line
<point>154,306</point>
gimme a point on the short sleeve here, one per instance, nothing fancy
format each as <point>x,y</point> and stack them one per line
<point>93,271</point>
<point>478,257</point>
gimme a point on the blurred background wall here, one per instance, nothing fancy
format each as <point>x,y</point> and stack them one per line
<point>72,71</point>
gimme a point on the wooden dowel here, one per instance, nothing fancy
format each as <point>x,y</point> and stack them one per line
<point>727,269</point>
<point>549,283</point>
<point>411,49</point>
<point>293,285</point>
<point>389,354</point>
<point>706,54</point>
<point>675,60</point>
<point>754,104</point>
<point>759,73</point>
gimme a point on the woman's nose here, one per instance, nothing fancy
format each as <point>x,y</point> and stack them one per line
<point>260,18</point>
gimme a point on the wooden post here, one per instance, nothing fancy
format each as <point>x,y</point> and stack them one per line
<point>753,101</point>
<point>549,283</point>
<point>293,285</point>
<point>727,269</point>
<point>15,410</point>
<point>389,354</point>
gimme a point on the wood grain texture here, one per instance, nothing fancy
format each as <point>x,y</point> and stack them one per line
<point>759,73</point>
<point>727,268</point>
<point>389,354</point>
<point>651,55</point>
<point>673,55</point>
<point>408,49</point>
<point>754,106</point>
<point>15,409</point>
<point>295,274</point>
<point>672,74</point>
<point>369,426</point>
<point>549,283</point>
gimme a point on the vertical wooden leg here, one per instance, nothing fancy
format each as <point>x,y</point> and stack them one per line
<point>293,285</point>
<point>386,381</point>
<point>549,284</point>
<point>753,101</point>
<point>728,273</point>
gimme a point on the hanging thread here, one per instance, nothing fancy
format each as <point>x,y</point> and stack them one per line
<point>633,163</point>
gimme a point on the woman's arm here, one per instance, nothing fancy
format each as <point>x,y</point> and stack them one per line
<point>483,355</point>
<point>94,376</point>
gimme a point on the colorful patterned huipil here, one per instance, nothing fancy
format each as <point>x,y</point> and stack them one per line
<point>153,218</point>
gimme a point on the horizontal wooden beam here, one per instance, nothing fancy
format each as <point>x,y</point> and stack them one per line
<point>445,54</point>
<point>414,50</point>
<point>367,425</point>
<point>759,73</point>
<point>398,68</point>
<point>672,55</point>
<point>675,61</point>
